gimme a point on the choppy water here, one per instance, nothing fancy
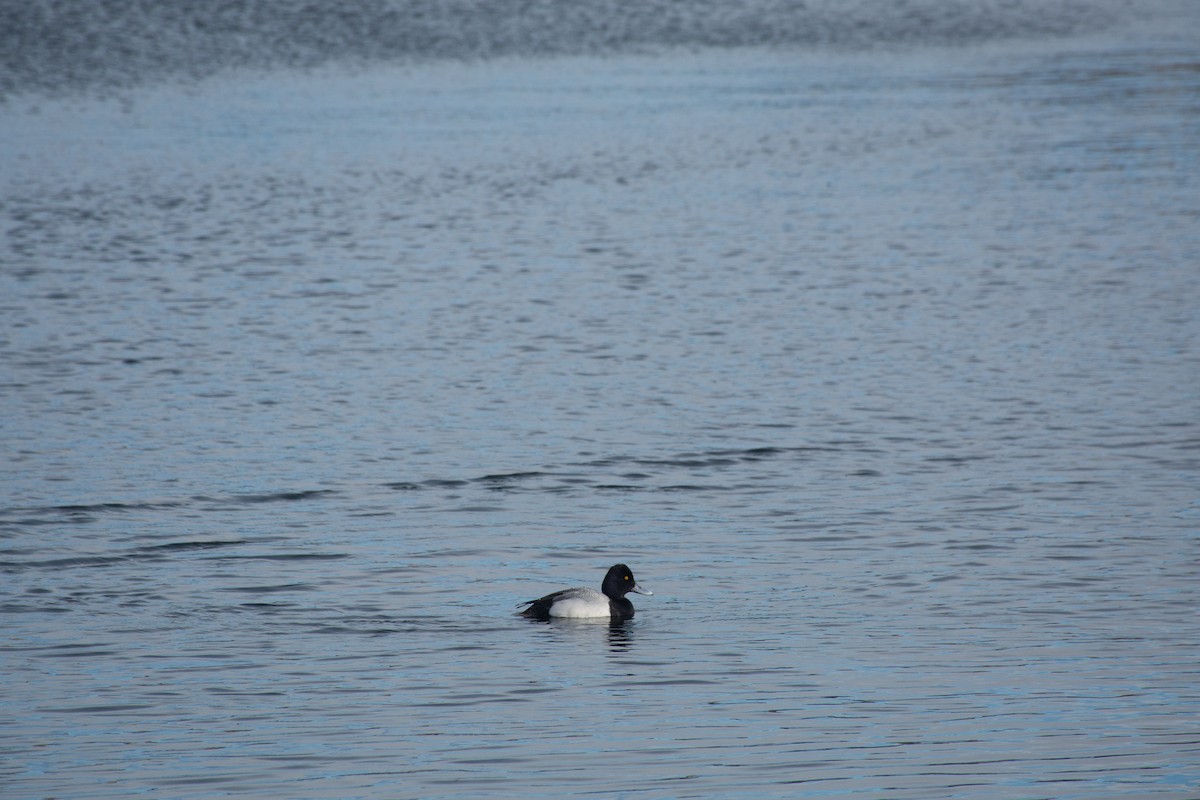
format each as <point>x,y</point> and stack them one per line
<point>880,368</point>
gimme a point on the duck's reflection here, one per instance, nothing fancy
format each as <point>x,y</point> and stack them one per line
<point>619,633</point>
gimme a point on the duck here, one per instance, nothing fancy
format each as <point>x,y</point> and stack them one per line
<point>580,603</point>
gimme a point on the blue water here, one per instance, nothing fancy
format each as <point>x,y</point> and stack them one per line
<point>870,346</point>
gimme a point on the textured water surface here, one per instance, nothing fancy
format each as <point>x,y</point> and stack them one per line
<point>877,365</point>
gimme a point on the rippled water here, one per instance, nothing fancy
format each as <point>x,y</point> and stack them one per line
<point>880,369</point>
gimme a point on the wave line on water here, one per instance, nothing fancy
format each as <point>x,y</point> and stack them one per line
<point>72,45</point>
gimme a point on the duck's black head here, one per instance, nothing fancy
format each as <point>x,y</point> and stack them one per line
<point>619,582</point>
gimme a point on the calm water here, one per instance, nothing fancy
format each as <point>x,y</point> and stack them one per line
<point>878,364</point>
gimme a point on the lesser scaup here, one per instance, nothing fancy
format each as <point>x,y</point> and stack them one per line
<point>609,603</point>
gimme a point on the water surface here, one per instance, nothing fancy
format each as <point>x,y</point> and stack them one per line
<point>877,365</point>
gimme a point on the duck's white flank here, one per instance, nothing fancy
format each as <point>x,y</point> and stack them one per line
<point>580,604</point>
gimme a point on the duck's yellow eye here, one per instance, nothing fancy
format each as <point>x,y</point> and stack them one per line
<point>626,577</point>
